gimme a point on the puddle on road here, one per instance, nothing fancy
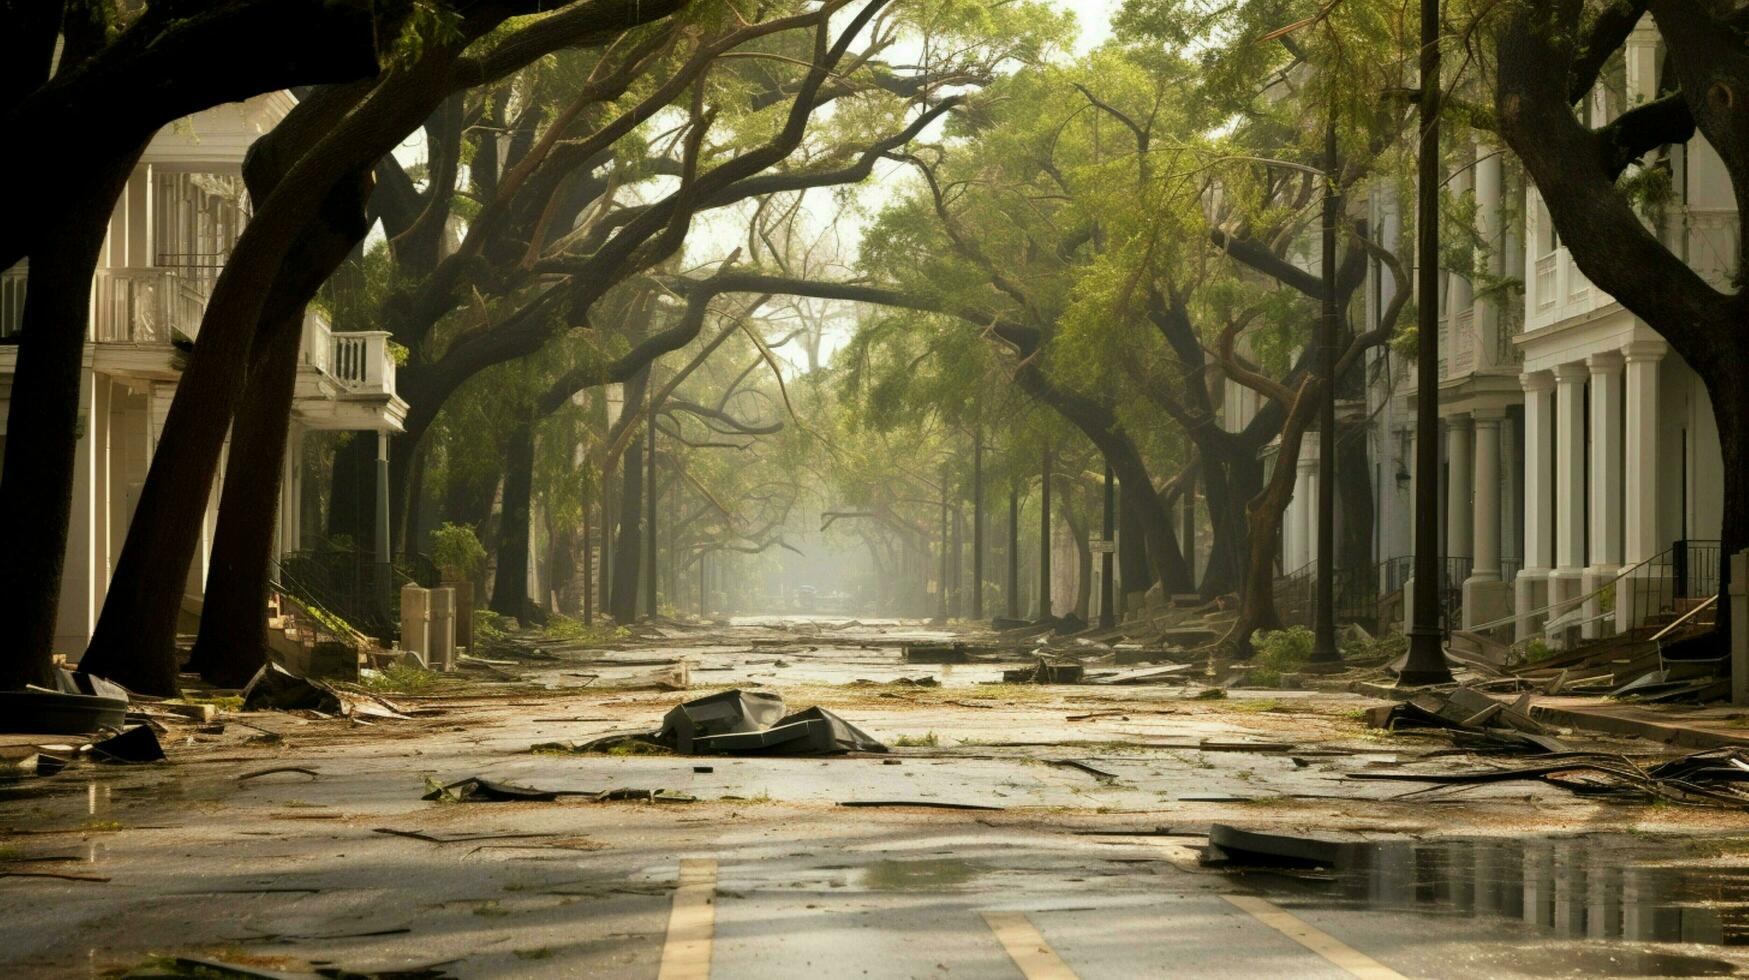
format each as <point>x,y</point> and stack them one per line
<point>921,875</point>
<point>1582,889</point>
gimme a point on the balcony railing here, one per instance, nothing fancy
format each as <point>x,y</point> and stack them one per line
<point>145,306</point>
<point>318,345</point>
<point>1463,342</point>
<point>362,362</point>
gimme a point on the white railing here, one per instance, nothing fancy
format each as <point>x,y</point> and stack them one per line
<point>145,306</point>
<point>318,343</point>
<point>1463,343</point>
<point>1444,346</point>
<point>362,362</point>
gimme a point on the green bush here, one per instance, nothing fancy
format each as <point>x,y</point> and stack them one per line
<point>1279,652</point>
<point>563,627</point>
<point>455,547</point>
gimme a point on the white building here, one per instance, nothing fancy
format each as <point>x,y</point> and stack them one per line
<point>173,227</point>
<point>1624,468</point>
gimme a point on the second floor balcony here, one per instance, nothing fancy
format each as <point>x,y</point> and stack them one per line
<point>359,362</point>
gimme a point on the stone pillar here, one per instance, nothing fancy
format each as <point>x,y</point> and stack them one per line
<point>1606,484</point>
<point>1486,597</point>
<point>1569,459</point>
<point>1539,501</point>
<point>416,622</point>
<point>441,630</point>
<point>1489,226</point>
<point>1460,487</point>
<point>1641,592</point>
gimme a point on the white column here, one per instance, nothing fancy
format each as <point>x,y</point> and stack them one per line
<point>1489,224</point>
<point>1569,461</point>
<point>81,588</point>
<point>1511,495</point>
<point>1640,466</point>
<point>1641,459</point>
<point>1485,536</point>
<point>1606,480</point>
<point>1539,499</point>
<point>1460,486</point>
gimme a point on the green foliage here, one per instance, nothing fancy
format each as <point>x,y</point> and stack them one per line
<point>564,628</point>
<point>455,546</point>
<point>1279,652</point>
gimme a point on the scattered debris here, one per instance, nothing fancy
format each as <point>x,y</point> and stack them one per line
<point>1099,774</point>
<point>1146,675</point>
<point>274,687</point>
<point>136,744</point>
<point>1477,721</point>
<point>753,723</point>
<point>313,774</point>
<point>1045,672</point>
<point>1717,777</point>
<point>1230,846</point>
<point>928,804</point>
<point>477,789</point>
<point>937,653</point>
<point>1211,694</point>
<point>42,711</point>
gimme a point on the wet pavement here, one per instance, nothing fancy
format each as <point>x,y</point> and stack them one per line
<point>290,872</point>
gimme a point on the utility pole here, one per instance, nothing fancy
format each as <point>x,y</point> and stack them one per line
<point>941,586</point>
<point>1425,663</point>
<point>978,522</point>
<point>650,502</point>
<point>1108,615</point>
<point>1324,649</point>
<point>1044,540</point>
<point>1013,551</point>
<point>703,581</point>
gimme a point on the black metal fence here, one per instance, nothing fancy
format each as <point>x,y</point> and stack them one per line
<point>1395,573</point>
<point>1687,570</point>
<point>355,586</point>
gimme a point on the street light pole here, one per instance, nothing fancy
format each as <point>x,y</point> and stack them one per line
<point>1324,649</point>
<point>1425,663</point>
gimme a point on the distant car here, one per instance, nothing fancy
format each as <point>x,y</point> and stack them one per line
<point>805,598</point>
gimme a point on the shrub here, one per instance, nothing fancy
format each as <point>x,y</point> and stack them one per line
<point>456,548</point>
<point>1279,652</point>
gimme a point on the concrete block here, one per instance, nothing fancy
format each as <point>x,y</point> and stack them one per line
<point>441,630</point>
<point>416,620</point>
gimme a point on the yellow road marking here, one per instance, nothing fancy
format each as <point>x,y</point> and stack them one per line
<point>1035,957</point>
<point>687,953</point>
<point>1322,943</point>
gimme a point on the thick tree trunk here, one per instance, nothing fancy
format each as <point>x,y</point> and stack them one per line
<point>510,586</point>
<point>1229,480</point>
<point>42,430</point>
<point>1264,512</point>
<point>232,643</point>
<point>1132,552</point>
<point>628,551</point>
